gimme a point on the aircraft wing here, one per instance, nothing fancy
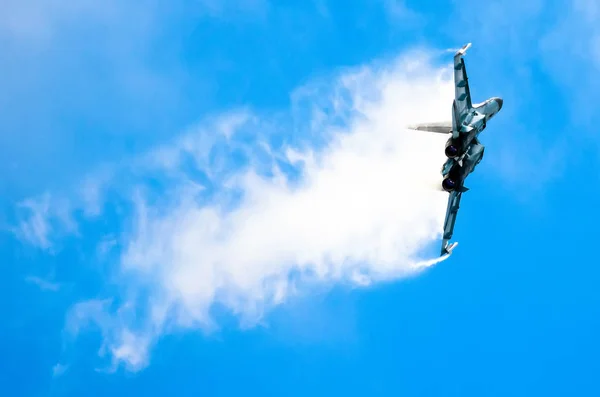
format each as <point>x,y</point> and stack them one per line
<point>462,103</point>
<point>462,93</point>
<point>451,212</point>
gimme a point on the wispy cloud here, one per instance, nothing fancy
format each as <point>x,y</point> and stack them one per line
<point>570,50</point>
<point>59,369</point>
<point>35,228</point>
<point>42,219</point>
<point>101,70</point>
<point>399,11</point>
<point>576,32</point>
<point>43,284</point>
<point>228,8</point>
<point>239,221</point>
<point>28,21</point>
<point>522,39</point>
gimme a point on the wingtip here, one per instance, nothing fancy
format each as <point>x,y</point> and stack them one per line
<point>448,248</point>
<point>463,49</point>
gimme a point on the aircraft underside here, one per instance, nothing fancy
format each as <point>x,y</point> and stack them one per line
<point>463,149</point>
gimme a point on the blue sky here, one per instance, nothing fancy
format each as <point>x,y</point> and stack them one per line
<point>215,198</point>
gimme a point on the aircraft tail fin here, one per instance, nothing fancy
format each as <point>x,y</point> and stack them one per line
<point>462,189</point>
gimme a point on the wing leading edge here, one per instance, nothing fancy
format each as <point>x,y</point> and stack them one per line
<point>451,213</point>
<point>462,92</point>
<point>462,104</point>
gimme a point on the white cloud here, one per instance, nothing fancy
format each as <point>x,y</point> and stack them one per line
<point>400,12</point>
<point>110,70</point>
<point>42,219</point>
<point>577,34</point>
<point>361,208</point>
<point>43,284</point>
<point>560,39</point>
<point>58,370</point>
<point>28,20</point>
<point>35,229</point>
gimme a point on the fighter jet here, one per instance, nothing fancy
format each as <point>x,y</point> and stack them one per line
<point>463,148</point>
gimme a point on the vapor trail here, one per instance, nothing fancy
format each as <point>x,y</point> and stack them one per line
<point>360,207</point>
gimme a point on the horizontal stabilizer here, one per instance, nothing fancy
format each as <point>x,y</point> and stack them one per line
<point>444,127</point>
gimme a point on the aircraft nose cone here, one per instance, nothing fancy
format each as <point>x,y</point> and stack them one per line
<point>500,103</point>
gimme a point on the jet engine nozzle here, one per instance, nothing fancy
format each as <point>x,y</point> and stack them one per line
<point>452,149</point>
<point>448,184</point>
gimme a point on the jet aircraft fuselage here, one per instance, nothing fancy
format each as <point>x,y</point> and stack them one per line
<point>464,151</point>
<point>463,148</point>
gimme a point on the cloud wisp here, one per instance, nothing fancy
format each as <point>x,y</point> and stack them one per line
<point>246,209</point>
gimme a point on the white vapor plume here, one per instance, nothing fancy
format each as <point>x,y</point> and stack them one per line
<point>361,208</point>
